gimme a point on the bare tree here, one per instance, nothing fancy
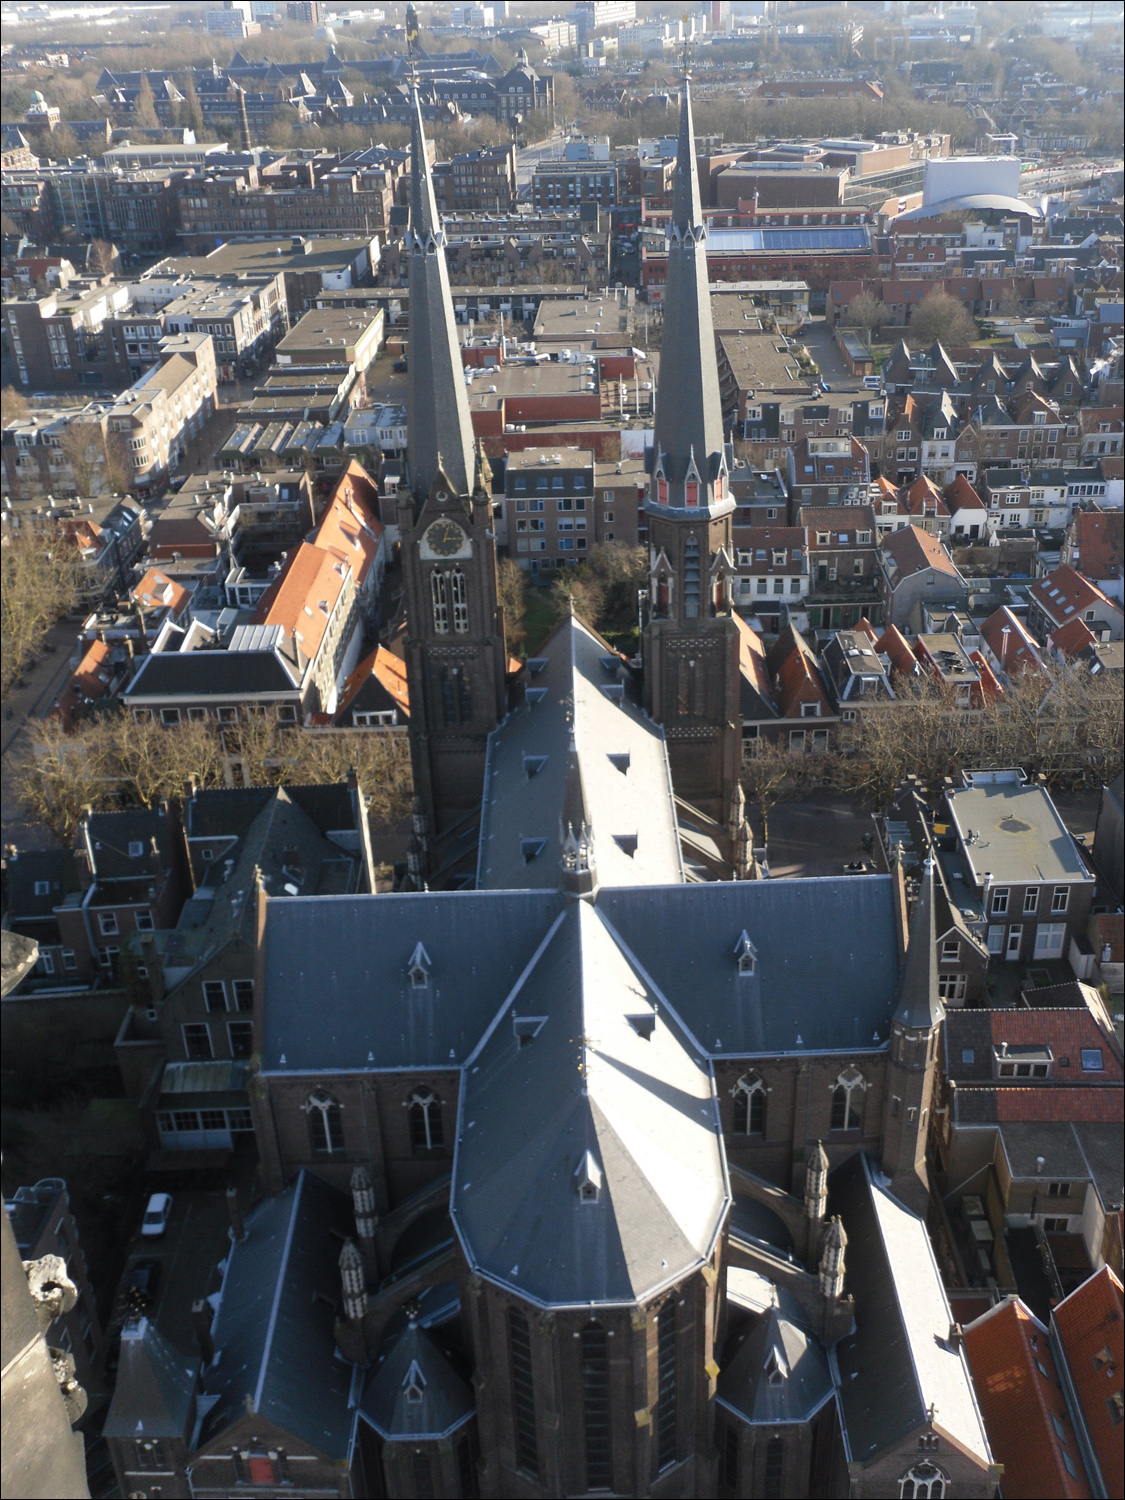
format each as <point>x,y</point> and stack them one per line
<point>511,585</point>
<point>773,774</point>
<point>13,405</point>
<point>940,316</point>
<point>868,313</point>
<point>38,583</point>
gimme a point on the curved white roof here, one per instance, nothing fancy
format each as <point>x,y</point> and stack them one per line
<point>994,201</point>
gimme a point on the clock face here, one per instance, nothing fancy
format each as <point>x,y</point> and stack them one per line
<point>445,538</point>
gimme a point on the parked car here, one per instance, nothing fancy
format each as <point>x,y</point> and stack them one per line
<point>399,367</point>
<point>157,1214</point>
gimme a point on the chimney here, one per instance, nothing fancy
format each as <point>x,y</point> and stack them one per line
<point>234,1213</point>
<point>201,1322</point>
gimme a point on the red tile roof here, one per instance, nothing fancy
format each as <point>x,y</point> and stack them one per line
<point>1090,1328</point>
<point>960,495</point>
<point>798,680</point>
<point>1083,1105</point>
<point>752,658</point>
<point>157,590</point>
<point>989,682</point>
<point>1020,1399</point>
<point>1066,1032</point>
<point>894,645</point>
<point>1065,594</point>
<point>1097,542</point>
<point>916,551</point>
<point>923,498</point>
<point>1072,637</point>
<point>1020,651</point>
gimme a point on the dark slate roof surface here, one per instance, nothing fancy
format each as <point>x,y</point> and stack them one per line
<point>275,1325</point>
<point>780,1346</point>
<point>213,674</point>
<point>446,1402</point>
<point>155,1386</point>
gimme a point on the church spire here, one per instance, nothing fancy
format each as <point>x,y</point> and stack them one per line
<point>439,428</point>
<point>919,1003</point>
<point>689,471</point>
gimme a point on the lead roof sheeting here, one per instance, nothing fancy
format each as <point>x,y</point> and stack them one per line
<point>275,1327</point>
<point>213,674</point>
<point>779,1342</point>
<point>643,1109</point>
<point>353,953</point>
<point>826,989</point>
<point>637,802</point>
<point>898,1361</point>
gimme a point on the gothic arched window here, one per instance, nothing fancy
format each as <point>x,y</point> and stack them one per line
<point>848,1095</point>
<point>460,602</point>
<point>595,1406</point>
<point>326,1130</point>
<point>925,1481</point>
<point>427,1132</point>
<point>666,1385</point>
<point>523,1393</point>
<point>750,1105</point>
<point>439,598</point>
<point>775,1467</point>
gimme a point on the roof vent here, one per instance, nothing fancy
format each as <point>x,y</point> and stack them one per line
<point>414,1384</point>
<point>644,1025</point>
<point>527,1028</point>
<point>533,764</point>
<point>531,849</point>
<point>626,842</point>
<point>620,761</point>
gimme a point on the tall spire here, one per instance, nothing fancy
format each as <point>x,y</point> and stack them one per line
<point>439,428</point>
<point>689,471</point>
<point>919,1003</point>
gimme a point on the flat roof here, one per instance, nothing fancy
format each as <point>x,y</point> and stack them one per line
<point>1018,835</point>
<point>578,317</point>
<point>262,256</point>
<point>320,326</point>
<point>535,458</point>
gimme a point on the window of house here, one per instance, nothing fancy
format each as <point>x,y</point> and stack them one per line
<point>1031,899</point>
<point>215,994</point>
<point>326,1127</point>
<point>243,994</point>
<point>241,1036</point>
<point>999,902</point>
<point>69,960</point>
<point>427,1132</point>
<point>1058,1190</point>
<point>810,710</point>
<point>197,1041</point>
<point>1060,898</point>
<point>107,924</point>
<point>142,919</point>
<point>750,1105</point>
<point>951,987</point>
<point>1092,1060</point>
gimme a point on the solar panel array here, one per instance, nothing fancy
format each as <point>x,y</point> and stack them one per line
<point>741,241</point>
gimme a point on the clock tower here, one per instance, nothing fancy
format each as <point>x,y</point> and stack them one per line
<point>455,655</point>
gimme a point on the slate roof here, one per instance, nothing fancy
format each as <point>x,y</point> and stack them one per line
<point>780,1372</point>
<point>110,836</point>
<point>415,1360</point>
<point>898,1362</point>
<point>628,797</point>
<point>440,430</point>
<point>1024,1413</point>
<point>633,1102</point>
<point>919,1005</point>
<point>155,1390</point>
<point>688,425</point>
<point>275,1333</point>
<point>55,868</point>
<point>212,674</point>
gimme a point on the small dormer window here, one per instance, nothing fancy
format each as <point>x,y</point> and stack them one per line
<point>414,1385</point>
<point>626,842</point>
<point>776,1373</point>
<point>531,848</point>
<point>620,762</point>
<point>527,1028</point>
<point>533,764</point>
<point>419,968</point>
<point>136,848</point>
<point>589,1179</point>
<point>746,954</point>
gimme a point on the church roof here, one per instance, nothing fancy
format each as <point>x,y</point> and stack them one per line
<point>780,1372</point>
<point>919,1004</point>
<point>589,1166</point>
<point>415,1392</point>
<point>439,428</point>
<point>275,1328</point>
<point>898,1363</point>
<point>155,1388</point>
<point>578,689</point>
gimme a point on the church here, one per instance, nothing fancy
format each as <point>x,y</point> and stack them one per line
<point>590,1166</point>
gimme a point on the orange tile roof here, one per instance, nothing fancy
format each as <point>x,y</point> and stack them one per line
<point>390,672</point>
<point>1072,637</point>
<point>894,645</point>
<point>1020,650</point>
<point>156,589</point>
<point>960,495</point>
<point>1089,1324</point>
<point>1066,1032</point>
<point>798,680</point>
<point>990,687</point>
<point>865,627</point>
<point>1020,1399</point>
<point>752,658</point>
<point>924,498</point>
<point>1082,1104</point>
<point>1098,537</point>
<point>91,679</point>
<point>1065,594</point>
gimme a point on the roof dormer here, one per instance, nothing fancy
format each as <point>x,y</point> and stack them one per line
<point>588,1178</point>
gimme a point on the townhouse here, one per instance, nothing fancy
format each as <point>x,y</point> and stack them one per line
<point>915,572</point>
<point>1065,596</point>
<point>841,545</point>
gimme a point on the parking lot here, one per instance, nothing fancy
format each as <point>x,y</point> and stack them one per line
<point>186,1258</point>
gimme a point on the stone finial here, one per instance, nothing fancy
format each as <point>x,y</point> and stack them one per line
<point>816,1183</point>
<point>832,1260</point>
<point>353,1278</point>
